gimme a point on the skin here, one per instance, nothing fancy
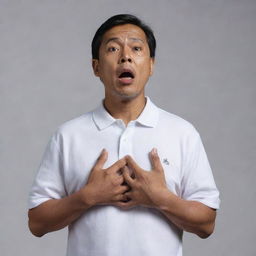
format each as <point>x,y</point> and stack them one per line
<point>124,47</point>
<point>149,189</point>
<point>104,186</point>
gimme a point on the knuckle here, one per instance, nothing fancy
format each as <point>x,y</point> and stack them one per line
<point>120,180</point>
<point>127,188</point>
<point>108,172</point>
<point>114,182</point>
<point>123,161</point>
<point>128,157</point>
<point>116,165</point>
<point>120,161</point>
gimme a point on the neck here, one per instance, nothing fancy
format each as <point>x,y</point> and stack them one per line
<point>125,109</point>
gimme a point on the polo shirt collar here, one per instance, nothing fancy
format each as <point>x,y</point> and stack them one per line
<point>102,118</point>
<point>148,117</point>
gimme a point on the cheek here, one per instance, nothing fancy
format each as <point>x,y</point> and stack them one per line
<point>145,66</point>
<point>106,67</point>
<point>108,64</point>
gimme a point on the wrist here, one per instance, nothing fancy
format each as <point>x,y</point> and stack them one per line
<point>87,197</point>
<point>164,199</point>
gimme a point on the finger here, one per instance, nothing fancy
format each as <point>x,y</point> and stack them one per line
<point>121,198</point>
<point>129,195</point>
<point>124,189</point>
<point>101,159</point>
<point>117,166</point>
<point>128,179</point>
<point>155,160</point>
<point>118,180</point>
<point>131,163</point>
<point>125,205</point>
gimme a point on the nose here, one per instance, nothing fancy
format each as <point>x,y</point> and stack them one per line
<point>125,59</point>
<point>125,56</point>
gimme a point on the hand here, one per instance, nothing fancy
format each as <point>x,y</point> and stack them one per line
<point>105,186</point>
<point>147,187</point>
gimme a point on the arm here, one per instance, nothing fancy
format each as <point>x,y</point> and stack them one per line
<point>190,216</point>
<point>149,189</point>
<point>104,186</point>
<point>56,214</point>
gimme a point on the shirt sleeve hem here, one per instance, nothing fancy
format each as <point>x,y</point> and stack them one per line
<point>36,202</point>
<point>212,204</point>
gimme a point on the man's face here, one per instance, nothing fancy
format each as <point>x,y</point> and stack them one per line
<point>124,64</point>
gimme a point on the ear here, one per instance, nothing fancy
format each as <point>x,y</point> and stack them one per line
<point>95,66</point>
<point>152,64</point>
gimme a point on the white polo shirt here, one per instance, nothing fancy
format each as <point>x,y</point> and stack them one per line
<point>108,230</point>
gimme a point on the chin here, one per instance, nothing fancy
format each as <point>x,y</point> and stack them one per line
<point>127,96</point>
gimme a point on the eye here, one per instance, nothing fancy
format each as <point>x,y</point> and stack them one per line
<point>112,49</point>
<point>137,48</point>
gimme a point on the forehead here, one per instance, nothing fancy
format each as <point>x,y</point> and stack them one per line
<point>127,30</point>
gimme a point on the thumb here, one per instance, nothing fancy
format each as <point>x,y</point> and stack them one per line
<point>155,160</point>
<point>101,160</point>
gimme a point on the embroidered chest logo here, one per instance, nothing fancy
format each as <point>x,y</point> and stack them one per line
<point>165,161</point>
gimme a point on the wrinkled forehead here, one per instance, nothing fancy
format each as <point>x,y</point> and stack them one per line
<point>125,32</point>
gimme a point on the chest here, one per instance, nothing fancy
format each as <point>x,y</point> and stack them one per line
<point>81,153</point>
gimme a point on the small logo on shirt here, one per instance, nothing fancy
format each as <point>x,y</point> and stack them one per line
<point>165,161</point>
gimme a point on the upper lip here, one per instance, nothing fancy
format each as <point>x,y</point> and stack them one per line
<point>125,69</point>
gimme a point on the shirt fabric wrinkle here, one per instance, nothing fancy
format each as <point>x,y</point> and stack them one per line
<point>108,230</point>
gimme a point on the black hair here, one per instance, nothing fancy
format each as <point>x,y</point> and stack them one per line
<point>122,19</point>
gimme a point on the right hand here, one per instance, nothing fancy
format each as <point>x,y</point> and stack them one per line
<point>106,186</point>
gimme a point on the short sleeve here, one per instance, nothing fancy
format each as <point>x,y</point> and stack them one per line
<point>49,181</point>
<point>197,182</point>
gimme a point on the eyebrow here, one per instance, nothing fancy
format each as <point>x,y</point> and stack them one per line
<point>130,38</point>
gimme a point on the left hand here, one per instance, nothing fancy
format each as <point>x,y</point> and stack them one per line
<point>147,187</point>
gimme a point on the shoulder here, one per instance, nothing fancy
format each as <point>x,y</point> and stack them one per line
<point>176,123</point>
<point>74,126</point>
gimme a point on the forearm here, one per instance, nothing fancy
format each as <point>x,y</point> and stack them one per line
<point>190,216</point>
<point>104,186</point>
<point>56,214</point>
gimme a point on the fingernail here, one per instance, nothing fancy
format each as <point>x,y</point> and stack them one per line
<point>103,151</point>
<point>154,151</point>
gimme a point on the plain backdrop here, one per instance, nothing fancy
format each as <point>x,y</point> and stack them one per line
<point>205,72</point>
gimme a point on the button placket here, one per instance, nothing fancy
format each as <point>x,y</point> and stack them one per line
<point>125,142</point>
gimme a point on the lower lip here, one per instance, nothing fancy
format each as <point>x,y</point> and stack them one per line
<point>125,80</point>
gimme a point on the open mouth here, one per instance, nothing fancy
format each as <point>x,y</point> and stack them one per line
<point>126,77</point>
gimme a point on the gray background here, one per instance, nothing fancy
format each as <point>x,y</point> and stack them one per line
<point>205,72</point>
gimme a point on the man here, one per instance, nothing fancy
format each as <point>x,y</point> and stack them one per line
<point>128,177</point>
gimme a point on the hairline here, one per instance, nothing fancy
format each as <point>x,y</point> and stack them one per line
<point>148,32</point>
